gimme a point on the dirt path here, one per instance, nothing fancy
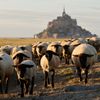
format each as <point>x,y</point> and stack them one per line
<point>67,87</point>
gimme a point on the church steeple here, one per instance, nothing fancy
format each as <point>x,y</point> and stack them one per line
<point>64,12</point>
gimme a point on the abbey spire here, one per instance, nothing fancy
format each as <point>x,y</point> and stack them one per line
<point>64,12</point>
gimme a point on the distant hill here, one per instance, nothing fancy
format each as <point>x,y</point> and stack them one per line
<point>64,26</point>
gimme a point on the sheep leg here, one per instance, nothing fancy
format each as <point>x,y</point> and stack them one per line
<point>27,83</point>
<point>52,77</point>
<point>6,89</point>
<point>22,87</point>
<point>1,87</point>
<point>79,73</point>
<point>86,73</point>
<point>46,79</point>
<point>32,85</point>
<point>67,60</point>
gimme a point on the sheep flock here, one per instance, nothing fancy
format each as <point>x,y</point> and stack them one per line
<point>40,67</point>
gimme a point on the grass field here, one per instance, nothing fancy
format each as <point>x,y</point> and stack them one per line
<point>22,41</point>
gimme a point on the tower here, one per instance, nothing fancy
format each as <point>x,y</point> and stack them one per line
<point>64,12</point>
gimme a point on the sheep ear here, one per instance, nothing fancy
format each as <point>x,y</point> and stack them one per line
<point>1,58</point>
<point>76,55</point>
<point>26,66</point>
<point>66,46</point>
<point>89,55</point>
<point>52,45</point>
<point>23,48</point>
<point>25,55</point>
<point>14,57</point>
<point>29,66</point>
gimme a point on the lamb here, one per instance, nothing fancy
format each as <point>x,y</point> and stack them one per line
<point>6,70</point>
<point>83,57</point>
<point>49,62</point>
<point>26,72</point>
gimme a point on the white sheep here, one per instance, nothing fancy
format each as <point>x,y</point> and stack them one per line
<point>49,62</point>
<point>6,70</point>
<point>34,50</point>
<point>25,48</point>
<point>41,48</point>
<point>56,47</point>
<point>66,50</point>
<point>26,72</point>
<point>21,55</point>
<point>6,48</point>
<point>83,57</point>
<point>76,42</point>
<point>94,41</point>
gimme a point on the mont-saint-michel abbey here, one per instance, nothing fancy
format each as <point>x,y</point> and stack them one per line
<point>64,26</point>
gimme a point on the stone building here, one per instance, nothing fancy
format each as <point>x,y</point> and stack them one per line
<point>64,26</point>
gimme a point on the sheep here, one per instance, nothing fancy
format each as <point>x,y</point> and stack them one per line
<point>94,41</point>
<point>56,47</point>
<point>21,55</point>
<point>15,49</point>
<point>34,50</point>
<point>26,48</point>
<point>26,72</point>
<point>49,62</point>
<point>41,49</point>
<point>66,50</point>
<point>6,70</point>
<point>83,57</point>
<point>7,49</point>
<point>75,43</point>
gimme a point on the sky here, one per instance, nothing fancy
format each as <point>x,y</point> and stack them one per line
<point>24,18</point>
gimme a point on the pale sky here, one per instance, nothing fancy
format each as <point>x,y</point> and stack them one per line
<point>24,18</point>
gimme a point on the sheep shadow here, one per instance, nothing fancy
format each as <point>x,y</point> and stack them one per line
<point>80,88</point>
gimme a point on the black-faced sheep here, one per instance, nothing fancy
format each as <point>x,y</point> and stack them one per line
<point>49,62</point>
<point>75,43</point>
<point>6,70</point>
<point>26,72</point>
<point>7,49</point>
<point>66,51</point>
<point>41,49</point>
<point>23,48</point>
<point>55,47</point>
<point>83,57</point>
<point>94,41</point>
<point>20,55</point>
<point>23,62</point>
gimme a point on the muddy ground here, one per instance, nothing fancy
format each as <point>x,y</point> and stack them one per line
<point>67,86</point>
